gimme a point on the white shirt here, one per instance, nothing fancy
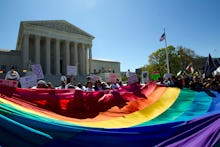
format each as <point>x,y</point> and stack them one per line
<point>90,89</point>
<point>63,78</point>
<point>12,75</point>
<point>115,86</point>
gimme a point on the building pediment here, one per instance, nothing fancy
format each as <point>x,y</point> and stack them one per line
<point>58,25</point>
<point>59,28</point>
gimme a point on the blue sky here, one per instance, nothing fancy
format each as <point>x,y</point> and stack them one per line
<point>127,31</point>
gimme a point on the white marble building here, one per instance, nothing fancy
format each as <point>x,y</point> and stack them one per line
<point>54,44</point>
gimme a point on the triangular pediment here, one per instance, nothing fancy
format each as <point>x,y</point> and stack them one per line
<point>59,25</point>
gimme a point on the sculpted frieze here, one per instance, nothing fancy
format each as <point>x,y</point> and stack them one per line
<point>41,31</point>
<point>60,26</point>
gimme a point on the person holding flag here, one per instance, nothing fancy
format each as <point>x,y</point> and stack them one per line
<point>190,68</point>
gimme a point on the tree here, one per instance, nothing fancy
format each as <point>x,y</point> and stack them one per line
<point>186,56</point>
<point>179,58</point>
<point>124,78</point>
<point>157,61</point>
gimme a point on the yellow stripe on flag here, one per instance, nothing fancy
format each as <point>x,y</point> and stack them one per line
<point>129,120</point>
<point>133,119</point>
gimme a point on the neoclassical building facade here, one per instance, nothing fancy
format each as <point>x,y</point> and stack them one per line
<point>54,44</point>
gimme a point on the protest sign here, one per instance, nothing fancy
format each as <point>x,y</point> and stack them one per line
<point>132,79</point>
<point>112,77</point>
<point>155,75</point>
<point>145,77</point>
<point>28,81</point>
<point>95,78</point>
<point>37,70</point>
<point>71,70</point>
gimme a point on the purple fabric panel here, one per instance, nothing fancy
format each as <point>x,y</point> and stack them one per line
<point>203,132</point>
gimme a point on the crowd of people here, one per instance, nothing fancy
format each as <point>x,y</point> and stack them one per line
<point>68,83</point>
<point>193,82</point>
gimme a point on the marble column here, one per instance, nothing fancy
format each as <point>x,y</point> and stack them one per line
<point>76,62</point>
<point>83,67</point>
<point>80,58</point>
<point>67,56</point>
<point>86,60</point>
<point>48,56</point>
<point>37,49</point>
<point>57,57</point>
<point>71,54</point>
<point>25,50</point>
<point>90,58</point>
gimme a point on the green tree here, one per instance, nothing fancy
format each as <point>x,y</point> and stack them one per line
<point>179,59</point>
<point>124,78</point>
<point>186,56</point>
<point>157,61</point>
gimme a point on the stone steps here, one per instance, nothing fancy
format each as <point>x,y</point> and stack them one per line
<point>56,80</point>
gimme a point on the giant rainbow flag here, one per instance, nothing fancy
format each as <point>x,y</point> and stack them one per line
<point>133,116</point>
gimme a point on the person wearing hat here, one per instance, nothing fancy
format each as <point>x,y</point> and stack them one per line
<point>41,84</point>
<point>12,74</point>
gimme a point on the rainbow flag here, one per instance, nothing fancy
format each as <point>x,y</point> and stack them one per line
<point>134,115</point>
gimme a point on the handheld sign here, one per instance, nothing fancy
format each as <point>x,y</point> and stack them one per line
<point>112,77</point>
<point>95,78</point>
<point>37,70</point>
<point>132,79</point>
<point>155,75</point>
<point>71,70</point>
<point>145,77</point>
<point>167,76</point>
<point>28,81</point>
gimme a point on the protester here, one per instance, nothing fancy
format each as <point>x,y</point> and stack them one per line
<point>115,85</point>
<point>50,85</point>
<point>89,87</point>
<point>79,86</point>
<point>70,81</point>
<point>40,84</point>
<point>128,74</point>
<point>99,86</point>
<point>12,74</point>
<point>63,78</point>
<point>62,85</point>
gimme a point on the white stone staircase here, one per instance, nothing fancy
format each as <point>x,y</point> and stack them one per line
<point>56,80</point>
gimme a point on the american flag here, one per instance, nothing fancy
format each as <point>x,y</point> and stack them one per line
<point>163,36</point>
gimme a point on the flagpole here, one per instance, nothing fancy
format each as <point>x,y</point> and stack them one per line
<point>167,57</point>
